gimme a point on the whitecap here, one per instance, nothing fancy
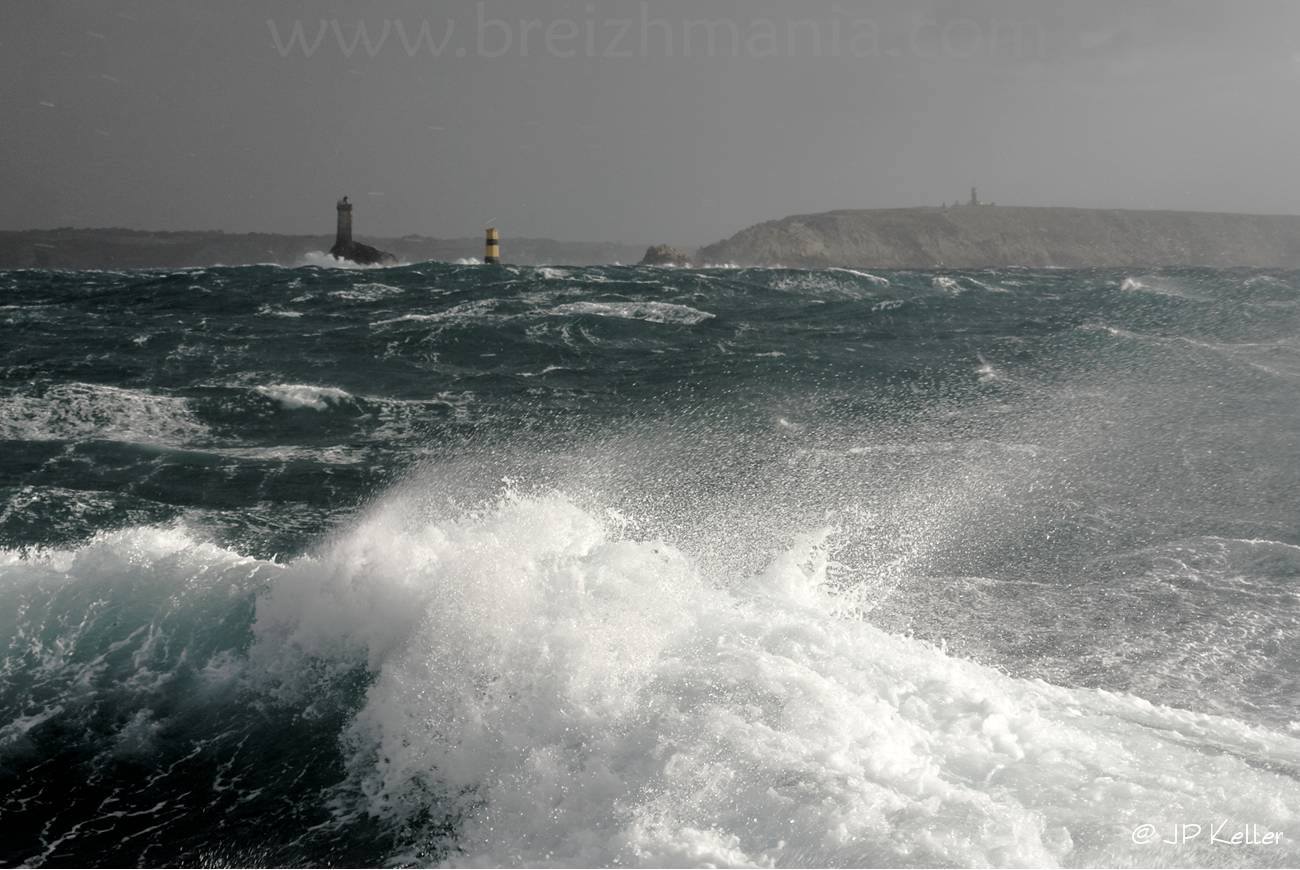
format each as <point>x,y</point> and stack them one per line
<point>987,372</point>
<point>651,312</point>
<point>577,696</point>
<point>368,292</point>
<point>295,397</point>
<point>874,279</point>
<point>992,288</point>
<point>77,412</point>
<point>480,309</point>
<point>323,260</point>
<point>545,371</point>
<point>1159,286</point>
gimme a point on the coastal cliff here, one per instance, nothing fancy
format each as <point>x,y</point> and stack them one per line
<point>999,236</point>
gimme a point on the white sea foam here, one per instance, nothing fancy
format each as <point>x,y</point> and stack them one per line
<point>874,279</point>
<point>574,693</point>
<point>987,372</point>
<point>77,412</point>
<point>651,312</point>
<point>367,292</point>
<point>161,570</point>
<point>295,397</point>
<point>948,285</point>
<point>479,309</point>
<point>323,455</point>
<point>1280,359</point>
<point>546,371</point>
<point>271,311</point>
<point>824,283</point>
<point>928,448</point>
<point>1268,281</point>
<point>1119,332</point>
<point>992,288</point>
<point>578,697</point>
<point>1159,286</point>
<point>324,260</point>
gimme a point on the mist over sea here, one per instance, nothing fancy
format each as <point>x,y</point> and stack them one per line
<point>607,565</point>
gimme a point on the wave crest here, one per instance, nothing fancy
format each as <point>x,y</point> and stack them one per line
<point>571,694</point>
<point>294,397</point>
<point>651,312</point>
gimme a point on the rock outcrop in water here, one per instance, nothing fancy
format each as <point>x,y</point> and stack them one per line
<point>345,248</point>
<point>1000,236</point>
<point>362,254</point>
<point>665,255</point>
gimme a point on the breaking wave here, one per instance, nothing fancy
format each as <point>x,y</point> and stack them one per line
<point>325,260</point>
<point>549,687</point>
<point>651,312</point>
<point>299,396</point>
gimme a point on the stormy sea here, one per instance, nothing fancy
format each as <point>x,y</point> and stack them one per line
<point>496,565</point>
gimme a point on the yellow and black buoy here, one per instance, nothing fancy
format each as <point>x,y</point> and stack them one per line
<point>492,249</point>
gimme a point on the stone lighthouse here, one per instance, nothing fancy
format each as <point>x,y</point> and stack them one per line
<point>343,236</point>
<point>346,249</point>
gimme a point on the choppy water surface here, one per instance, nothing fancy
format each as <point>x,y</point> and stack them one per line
<point>495,565</point>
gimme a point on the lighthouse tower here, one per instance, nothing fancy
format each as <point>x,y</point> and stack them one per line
<point>346,249</point>
<point>343,236</point>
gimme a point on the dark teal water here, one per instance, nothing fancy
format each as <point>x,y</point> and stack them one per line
<point>498,565</point>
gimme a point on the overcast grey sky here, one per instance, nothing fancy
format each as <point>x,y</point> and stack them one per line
<point>635,121</point>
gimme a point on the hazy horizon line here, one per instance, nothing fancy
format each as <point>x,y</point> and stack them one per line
<point>329,232</point>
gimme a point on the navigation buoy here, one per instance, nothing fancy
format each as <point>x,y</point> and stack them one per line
<point>492,249</point>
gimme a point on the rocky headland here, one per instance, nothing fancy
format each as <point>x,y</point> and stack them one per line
<point>987,236</point>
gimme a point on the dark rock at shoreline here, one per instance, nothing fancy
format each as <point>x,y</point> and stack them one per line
<point>665,255</point>
<point>363,255</point>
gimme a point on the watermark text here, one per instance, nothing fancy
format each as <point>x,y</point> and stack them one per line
<point>490,34</point>
<point>1218,833</point>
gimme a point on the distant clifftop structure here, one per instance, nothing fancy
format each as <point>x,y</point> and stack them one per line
<point>973,202</point>
<point>347,249</point>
